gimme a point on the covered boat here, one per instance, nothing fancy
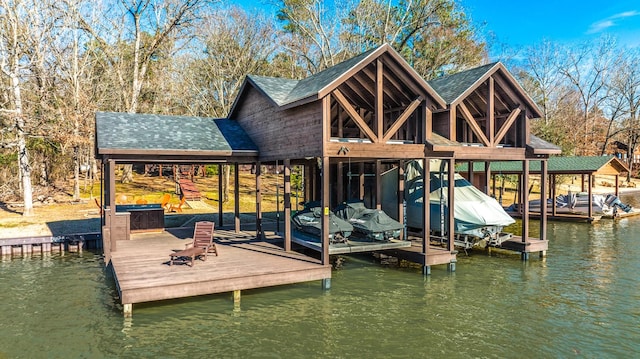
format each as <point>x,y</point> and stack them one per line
<point>309,220</point>
<point>479,219</point>
<point>370,223</point>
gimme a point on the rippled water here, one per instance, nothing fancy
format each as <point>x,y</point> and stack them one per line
<point>582,301</point>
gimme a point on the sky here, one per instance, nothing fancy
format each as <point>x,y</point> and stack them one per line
<point>518,23</point>
<point>522,23</point>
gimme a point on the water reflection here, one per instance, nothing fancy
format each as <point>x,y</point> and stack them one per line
<point>584,300</point>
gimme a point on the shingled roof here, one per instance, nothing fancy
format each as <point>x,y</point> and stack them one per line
<point>450,87</point>
<point>131,134</point>
<point>558,165</point>
<point>284,92</point>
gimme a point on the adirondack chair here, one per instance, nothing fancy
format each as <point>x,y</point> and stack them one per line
<point>178,207</point>
<point>165,201</point>
<point>201,246</point>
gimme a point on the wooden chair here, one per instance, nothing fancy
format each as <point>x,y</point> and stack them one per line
<point>178,207</point>
<point>99,206</point>
<point>165,201</point>
<point>201,246</point>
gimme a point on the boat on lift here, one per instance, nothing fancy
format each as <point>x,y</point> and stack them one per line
<point>479,219</point>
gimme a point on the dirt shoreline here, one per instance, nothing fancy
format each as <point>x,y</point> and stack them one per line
<point>60,219</point>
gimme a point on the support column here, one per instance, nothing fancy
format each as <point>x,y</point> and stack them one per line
<point>111,195</point>
<point>470,172</point>
<point>259,233</point>
<point>554,205</point>
<point>451,202</point>
<point>236,194</point>
<point>236,298</point>
<point>325,210</point>
<point>426,232</point>
<point>287,205</point>
<point>543,198</point>
<point>127,309</point>
<point>340,183</point>
<point>378,185</point>
<point>590,195</point>
<point>361,182</point>
<point>487,178</point>
<point>401,204</point>
<point>525,205</point>
<point>220,194</point>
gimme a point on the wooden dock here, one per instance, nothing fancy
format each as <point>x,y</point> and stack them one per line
<point>189,190</point>
<point>26,246</point>
<point>142,272</point>
<point>352,245</point>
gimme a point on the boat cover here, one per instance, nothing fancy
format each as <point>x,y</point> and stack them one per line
<point>371,223</point>
<point>309,220</point>
<point>475,213</point>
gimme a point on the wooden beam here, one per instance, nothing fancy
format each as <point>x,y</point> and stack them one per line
<point>236,194</point>
<point>287,205</point>
<point>355,116</point>
<point>450,203</point>
<point>524,188</point>
<point>379,100</point>
<point>220,194</point>
<point>491,121</point>
<point>378,184</point>
<point>506,126</point>
<point>452,123</point>
<point>426,207</point>
<point>473,124</point>
<point>325,194</point>
<point>401,197</point>
<point>543,198</point>
<point>402,119</point>
<point>259,233</point>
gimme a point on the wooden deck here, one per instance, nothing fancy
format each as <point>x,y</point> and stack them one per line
<point>142,272</point>
<point>353,245</point>
<point>532,245</point>
<point>189,190</point>
<point>436,254</point>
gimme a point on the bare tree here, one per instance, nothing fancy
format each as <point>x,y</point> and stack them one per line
<point>24,31</point>
<point>587,67</point>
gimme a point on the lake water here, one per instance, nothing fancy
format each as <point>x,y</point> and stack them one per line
<point>582,301</point>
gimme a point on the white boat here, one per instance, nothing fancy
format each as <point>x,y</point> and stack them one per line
<point>479,219</point>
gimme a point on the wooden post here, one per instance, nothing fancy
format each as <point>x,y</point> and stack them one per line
<point>259,233</point>
<point>236,297</point>
<point>325,210</point>
<point>543,198</point>
<point>590,196</point>
<point>378,184</point>
<point>220,195</point>
<point>112,184</point>
<point>451,202</point>
<point>525,200</point>
<point>553,195</point>
<point>487,178</point>
<point>287,205</point>
<point>236,194</point>
<point>361,182</point>
<point>617,185</point>
<point>470,173</point>
<point>340,182</point>
<point>426,208</point>
<point>127,309</point>
<point>401,199</point>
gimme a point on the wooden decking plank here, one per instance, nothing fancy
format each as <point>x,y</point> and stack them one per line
<point>142,273</point>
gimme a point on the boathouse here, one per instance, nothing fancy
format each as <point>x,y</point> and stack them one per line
<point>346,125</point>
<point>582,170</point>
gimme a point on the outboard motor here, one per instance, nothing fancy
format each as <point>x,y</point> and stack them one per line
<point>614,201</point>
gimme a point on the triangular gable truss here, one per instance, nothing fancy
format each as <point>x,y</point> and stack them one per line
<point>492,112</point>
<point>381,101</point>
